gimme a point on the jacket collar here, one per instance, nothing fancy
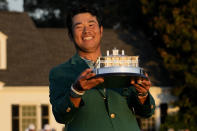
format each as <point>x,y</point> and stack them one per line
<point>76,59</point>
<point>78,63</point>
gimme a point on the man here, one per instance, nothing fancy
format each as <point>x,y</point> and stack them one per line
<point>86,103</point>
<point>47,127</point>
<point>31,128</point>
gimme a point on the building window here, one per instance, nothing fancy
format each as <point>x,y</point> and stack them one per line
<point>163,109</point>
<point>3,51</point>
<point>147,124</point>
<point>15,117</point>
<point>44,115</point>
<point>29,116</point>
<point>24,115</point>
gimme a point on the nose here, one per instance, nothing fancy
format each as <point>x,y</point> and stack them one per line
<point>85,29</point>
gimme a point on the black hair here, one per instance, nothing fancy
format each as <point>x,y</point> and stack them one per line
<point>81,9</point>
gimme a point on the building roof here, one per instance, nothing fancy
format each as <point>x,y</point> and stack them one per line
<point>26,51</point>
<point>32,51</point>
<point>59,46</point>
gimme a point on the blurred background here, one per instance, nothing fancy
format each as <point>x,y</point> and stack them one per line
<point>33,39</point>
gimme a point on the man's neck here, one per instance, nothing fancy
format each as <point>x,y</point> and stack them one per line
<point>90,56</point>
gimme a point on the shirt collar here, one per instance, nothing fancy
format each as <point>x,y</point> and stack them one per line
<point>89,62</point>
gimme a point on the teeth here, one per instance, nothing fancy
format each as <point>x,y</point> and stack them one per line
<point>87,38</point>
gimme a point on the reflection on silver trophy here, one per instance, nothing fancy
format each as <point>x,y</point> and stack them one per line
<point>118,64</point>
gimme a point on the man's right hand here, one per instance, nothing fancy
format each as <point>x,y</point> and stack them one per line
<point>83,83</point>
<point>86,82</point>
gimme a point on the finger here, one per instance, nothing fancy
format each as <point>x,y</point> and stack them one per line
<point>100,79</point>
<point>146,82</point>
<point>132,82</point>
<point>93,82</point>
<point>140,88</point>
<point>87,71</point>
<point>144,86</point>
<point>88,76</point>
<point>140,82</point>
<point>146,74</point>
<point>141,85</point>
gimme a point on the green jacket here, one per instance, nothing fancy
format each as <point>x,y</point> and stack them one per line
<point>116,113</point>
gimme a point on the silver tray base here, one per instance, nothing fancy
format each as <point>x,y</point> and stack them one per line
<point>120,71</point>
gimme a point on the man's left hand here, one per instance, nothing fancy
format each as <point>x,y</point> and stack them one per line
<point>142,86</point>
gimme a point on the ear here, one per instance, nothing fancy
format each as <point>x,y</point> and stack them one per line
<point>70,37</point>
<point>101,30</point>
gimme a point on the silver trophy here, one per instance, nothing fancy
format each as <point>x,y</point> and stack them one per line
<point>116,64</point>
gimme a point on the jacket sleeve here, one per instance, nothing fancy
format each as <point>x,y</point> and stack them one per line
<point>63,109</point>
<point>144,110</point>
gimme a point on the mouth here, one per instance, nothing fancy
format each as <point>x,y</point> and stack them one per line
<point>88,38</point>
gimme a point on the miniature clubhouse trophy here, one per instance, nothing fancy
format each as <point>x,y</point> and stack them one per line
<point>120,65</point>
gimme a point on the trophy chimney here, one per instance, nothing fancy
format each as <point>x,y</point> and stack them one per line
<point>115,51</point>
<point>122,52</point>
<point>107,52</point>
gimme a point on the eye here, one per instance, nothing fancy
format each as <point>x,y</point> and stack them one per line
<point>91,25</point>
<point>79,27</point>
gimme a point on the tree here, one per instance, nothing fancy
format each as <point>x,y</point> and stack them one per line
<point>51,13</point>
<point>175,22</point>
<point>3,5</point>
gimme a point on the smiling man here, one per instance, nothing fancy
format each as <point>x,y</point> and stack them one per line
<point>87,33</point>
<point>85,103</point>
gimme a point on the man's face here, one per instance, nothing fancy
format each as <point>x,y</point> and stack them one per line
<point>86,32</point>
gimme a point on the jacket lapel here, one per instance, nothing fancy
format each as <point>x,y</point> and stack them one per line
<point>78,64</point>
